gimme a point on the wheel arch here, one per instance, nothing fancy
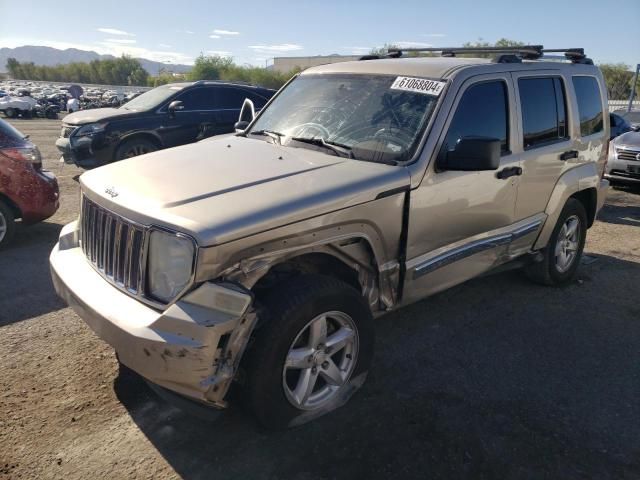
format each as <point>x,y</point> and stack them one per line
<point>152,137</point>
<point>17,213</point>
<point>351,259</point>
<point>580,183</point>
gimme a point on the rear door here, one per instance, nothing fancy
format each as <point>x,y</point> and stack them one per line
<point>544,139</point>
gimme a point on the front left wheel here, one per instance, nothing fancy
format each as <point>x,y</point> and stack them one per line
<point>134,147</point>
<point>311,353</point>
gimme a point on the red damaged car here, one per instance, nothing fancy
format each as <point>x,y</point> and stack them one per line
<point>27,191</point>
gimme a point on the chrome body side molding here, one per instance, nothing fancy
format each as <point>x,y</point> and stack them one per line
<point>471,248</point>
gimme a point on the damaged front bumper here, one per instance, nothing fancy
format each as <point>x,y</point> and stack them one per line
<point>192,348</point>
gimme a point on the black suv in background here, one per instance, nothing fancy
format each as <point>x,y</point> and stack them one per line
<point>163,117</point>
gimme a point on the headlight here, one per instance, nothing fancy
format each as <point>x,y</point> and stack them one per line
<point>91,129</point>
<point>170,264</point>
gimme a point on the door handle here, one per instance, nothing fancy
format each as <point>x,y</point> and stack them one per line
<point>568,154</point>
<point>509,172</point>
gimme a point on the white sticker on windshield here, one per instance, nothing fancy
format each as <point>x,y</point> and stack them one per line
<point>418,85</point>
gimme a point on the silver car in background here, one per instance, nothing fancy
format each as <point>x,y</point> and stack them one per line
<point>623,165</point>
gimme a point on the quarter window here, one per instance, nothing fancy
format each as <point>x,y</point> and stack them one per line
<point>544,113</point>
<point>482,112</point>
<point>589,105</point>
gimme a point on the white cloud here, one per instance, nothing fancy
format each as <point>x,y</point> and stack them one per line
<point>189,32</point>
<point>219,53</point>
<point>214,36</point>
<point>120,40</point>
<point>141,52</point>
<point>283,47</point>
<point>435,35</point>
<point>114,31</point>
<point>225,32</point>
<point>164,45</point>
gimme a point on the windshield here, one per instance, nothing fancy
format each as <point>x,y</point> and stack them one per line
<point>338,113</point>
<point>153,98</point>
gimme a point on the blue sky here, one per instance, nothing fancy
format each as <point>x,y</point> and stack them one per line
<point>254,32</point>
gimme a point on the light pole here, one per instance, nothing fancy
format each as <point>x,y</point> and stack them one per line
<point>633,87</point>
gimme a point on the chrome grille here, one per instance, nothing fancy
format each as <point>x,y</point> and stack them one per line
<point>116,247</point>
<point>67,131</point>
<point>628,155</point>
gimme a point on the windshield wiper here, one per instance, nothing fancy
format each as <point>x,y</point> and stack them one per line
<point>269,133</point>
<point>339,148</point>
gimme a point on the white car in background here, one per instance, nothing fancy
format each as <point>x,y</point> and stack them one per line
<point>12,106</point>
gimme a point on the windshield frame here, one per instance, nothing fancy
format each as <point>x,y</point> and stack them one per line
<point>422,136</point>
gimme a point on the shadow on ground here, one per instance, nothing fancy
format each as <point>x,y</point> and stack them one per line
<point>620,215</point>
<point>26,290</point>
<point>497,378</point>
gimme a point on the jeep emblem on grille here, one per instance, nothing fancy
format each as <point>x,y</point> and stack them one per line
<point>111,191</point>
<point>638,157</point>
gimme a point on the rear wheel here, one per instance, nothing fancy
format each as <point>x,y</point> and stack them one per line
<point>561,257</point>
<point>134,147</point>
<point>7,225</point>
<point>11,112</point>
<point>312,353</point>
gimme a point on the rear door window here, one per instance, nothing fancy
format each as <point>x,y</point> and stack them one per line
<point>231,98</point>
<point>482,112</point>
<point>544,113</point>
<point>589,105</point>
<point>198,99</point>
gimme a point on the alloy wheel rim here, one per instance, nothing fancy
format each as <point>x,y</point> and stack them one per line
<point>136,150</point>
<point>567,244</point>
<point>320,360</point>
<point>3,227</point>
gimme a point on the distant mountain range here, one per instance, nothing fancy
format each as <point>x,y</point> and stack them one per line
<point>52,56</point>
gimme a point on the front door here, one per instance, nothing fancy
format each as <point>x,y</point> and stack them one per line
<point>195,121</point>
<point>460,221</point>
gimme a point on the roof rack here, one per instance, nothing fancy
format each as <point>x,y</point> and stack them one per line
<point>514,54</point>
<point>529,52</point>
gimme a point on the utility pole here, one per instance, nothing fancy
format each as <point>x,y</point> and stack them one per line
<point>633,87</point>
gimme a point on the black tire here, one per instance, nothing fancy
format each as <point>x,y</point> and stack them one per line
<point>291,306</point>
<point>134,147</point>
<point>10,112</point>
<point>7,221</point>
<point>546,271</point>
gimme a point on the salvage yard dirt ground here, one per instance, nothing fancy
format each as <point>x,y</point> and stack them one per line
<point>496,378</point>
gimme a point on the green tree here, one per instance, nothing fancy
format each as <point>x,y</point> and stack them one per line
<point>209,67</point>
<point>480,43</point>
<point>618,78</point>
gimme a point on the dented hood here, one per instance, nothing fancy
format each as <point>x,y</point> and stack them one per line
<point>231,187</point>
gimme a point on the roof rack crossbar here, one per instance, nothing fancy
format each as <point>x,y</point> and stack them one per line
<point>526,51</point>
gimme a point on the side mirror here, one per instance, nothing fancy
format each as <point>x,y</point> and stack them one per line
<point>247,114</point>
<point>473,154</point>
<point>240,126</point>
<point>175,106</point>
